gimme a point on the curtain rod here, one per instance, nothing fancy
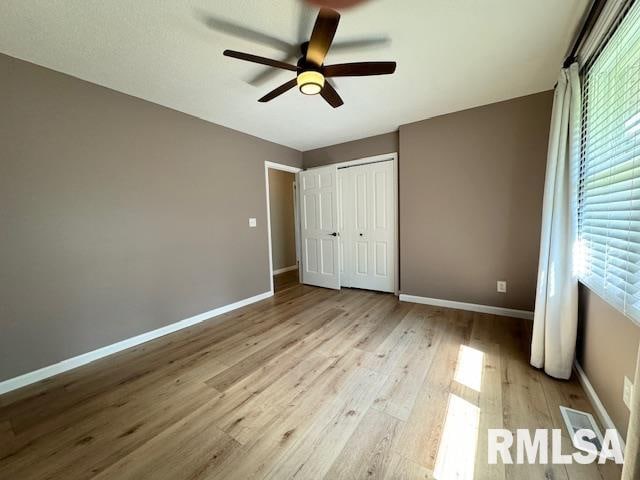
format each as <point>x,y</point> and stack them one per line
<point>585,30</point>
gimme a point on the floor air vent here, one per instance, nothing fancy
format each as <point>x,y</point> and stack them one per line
<point>576,420</point>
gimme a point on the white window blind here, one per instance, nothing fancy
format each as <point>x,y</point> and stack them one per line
<point>609,175</point>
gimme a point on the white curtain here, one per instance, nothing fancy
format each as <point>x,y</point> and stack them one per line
<point>556,310</point>
<point>631,469</point>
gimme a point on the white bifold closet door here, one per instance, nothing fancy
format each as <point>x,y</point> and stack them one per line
<point>367,222</point>
<point>319,227</point>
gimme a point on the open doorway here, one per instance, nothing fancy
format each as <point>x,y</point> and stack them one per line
<point>282,223</point>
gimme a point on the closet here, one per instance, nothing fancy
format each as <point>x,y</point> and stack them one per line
<point>348,226</point>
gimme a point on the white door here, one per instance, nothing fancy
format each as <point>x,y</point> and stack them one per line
<point>367,224</point>
<point>319,227</point>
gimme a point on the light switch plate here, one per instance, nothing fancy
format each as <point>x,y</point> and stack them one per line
<point>502,286</point>
<point>628,392</point>
<point>252,222</point>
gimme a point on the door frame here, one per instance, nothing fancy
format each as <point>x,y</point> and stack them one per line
<point>285,168</point>
<point>393,156</point>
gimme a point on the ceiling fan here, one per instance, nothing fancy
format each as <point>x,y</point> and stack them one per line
<point>311,72</point>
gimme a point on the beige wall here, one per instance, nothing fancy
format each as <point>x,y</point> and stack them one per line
<point>471,187</point>
<point>343,152</point>
<point>283,240</point>
<point>607,351</point>
<point>118,216</point>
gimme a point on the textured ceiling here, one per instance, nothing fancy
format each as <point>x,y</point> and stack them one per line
<point>451,54</point>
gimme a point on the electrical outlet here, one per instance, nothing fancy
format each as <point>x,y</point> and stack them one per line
<point>628,392</point>
<point>252,222</point>
<point>502,286</point>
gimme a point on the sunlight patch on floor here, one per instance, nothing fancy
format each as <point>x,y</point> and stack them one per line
<point>457,451</point>
<point>469,368</point>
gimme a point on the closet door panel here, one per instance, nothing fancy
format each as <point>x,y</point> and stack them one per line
<point>382,233</point>
<point>319,227</point>
<point>345,205</point>
<point>360,181</point>
<point>381,259</point>
<point>368,229</point>
<point>362,261</point>
<point>361,224</point>
<point>380,199</point>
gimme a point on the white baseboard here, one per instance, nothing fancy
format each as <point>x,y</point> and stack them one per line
<point>285,269</point>
<point>436,302</point>
<point>597,405</point>
<point>83,359</point>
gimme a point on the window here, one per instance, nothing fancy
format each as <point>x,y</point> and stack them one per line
<point>609,182</point>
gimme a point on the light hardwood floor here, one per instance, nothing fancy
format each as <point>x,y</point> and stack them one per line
<point>310,384</point>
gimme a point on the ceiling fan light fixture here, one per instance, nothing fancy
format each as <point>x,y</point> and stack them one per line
<point>310,82</point>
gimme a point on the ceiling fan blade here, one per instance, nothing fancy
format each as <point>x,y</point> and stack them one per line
<point>279,91</point>
<point>268,73</point>
<point>323,32</point>
<point>245,33</point>
<point>347,45</point>
<point>330,95</point>
<point>360,69</point>
<point>262,60</point>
